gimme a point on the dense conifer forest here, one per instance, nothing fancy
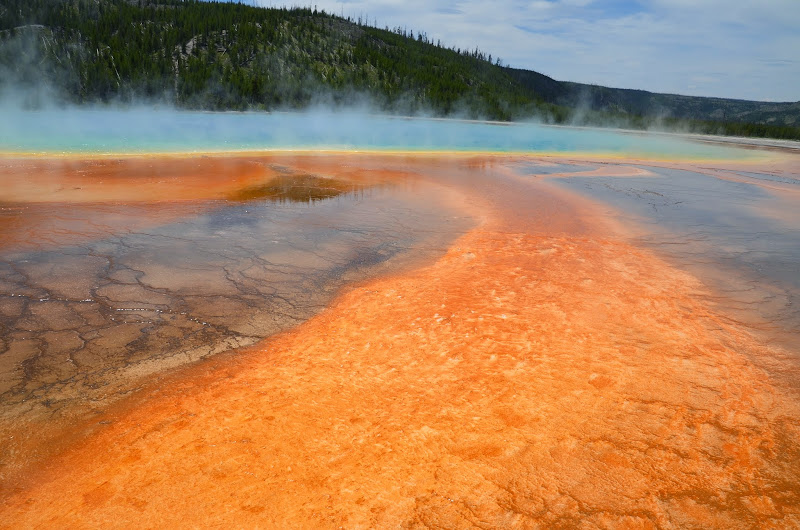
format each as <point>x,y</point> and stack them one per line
<point>224,56</point>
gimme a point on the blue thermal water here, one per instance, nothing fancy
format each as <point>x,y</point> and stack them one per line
<point>158,131</point>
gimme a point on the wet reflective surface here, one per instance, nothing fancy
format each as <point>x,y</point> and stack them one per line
<point>552,367</point>
<point>738,229</point>
<point>97,296</point>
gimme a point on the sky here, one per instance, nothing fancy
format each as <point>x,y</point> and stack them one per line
<point>744,49</point>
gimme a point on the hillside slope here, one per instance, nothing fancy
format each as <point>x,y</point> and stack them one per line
<point>221,56</point>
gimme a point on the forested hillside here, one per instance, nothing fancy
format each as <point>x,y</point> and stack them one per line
<point>221,56</point>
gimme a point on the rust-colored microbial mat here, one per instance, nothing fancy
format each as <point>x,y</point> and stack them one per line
<point>543,372</point>
<point>123,269</point>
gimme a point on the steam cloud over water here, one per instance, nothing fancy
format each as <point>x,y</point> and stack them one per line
<point>148,130</point>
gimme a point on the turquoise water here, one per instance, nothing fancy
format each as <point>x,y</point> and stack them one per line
<point>152,130</point>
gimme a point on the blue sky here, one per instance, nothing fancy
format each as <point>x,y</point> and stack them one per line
<point>748,49</point>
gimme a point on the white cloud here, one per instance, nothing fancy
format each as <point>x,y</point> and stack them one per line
<point>743,49</point>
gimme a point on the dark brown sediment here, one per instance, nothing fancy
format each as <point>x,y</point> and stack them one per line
<point>543,372</point>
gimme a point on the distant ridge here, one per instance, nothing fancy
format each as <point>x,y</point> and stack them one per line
<point>643,103</point>
<point>223,56</point>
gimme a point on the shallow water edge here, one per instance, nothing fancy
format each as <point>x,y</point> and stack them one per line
<point>508,383</point>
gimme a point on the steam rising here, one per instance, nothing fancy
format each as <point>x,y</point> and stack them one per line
<point>37,119</point>
<point>153,130</point>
